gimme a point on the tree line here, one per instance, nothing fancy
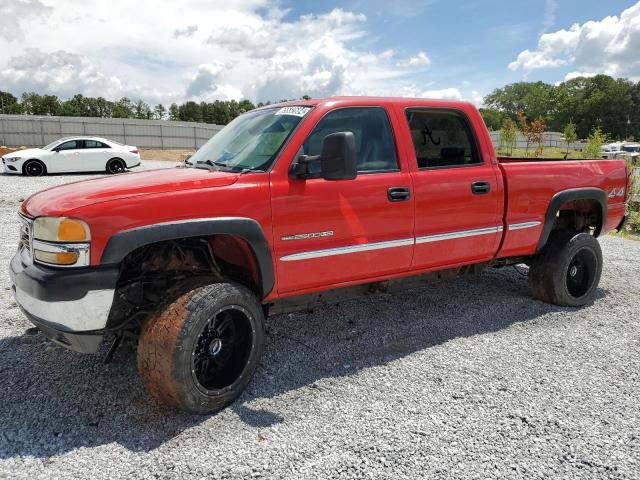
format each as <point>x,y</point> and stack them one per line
<point>611,105</point>
<point>219,112</point>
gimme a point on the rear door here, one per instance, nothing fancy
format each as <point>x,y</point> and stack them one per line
<point>328,233</point>
<point>456,190</point>
<point>95,155</point>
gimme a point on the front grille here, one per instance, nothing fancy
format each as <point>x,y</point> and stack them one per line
<point>25,241</point>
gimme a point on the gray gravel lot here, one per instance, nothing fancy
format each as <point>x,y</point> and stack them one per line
<point>465,379</point>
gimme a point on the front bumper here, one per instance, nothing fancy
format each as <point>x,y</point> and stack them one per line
<point>70,306</point>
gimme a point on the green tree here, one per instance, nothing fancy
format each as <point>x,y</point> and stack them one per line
<point>190,112</point>
<point>570,134</point>
<point>141,110</point>
<point>493,118</point>
<point>9,103</point>
<point>173,112</point>
<point>508,135</point>
<point>159,112</point>
<point>535,99</point>
<point>35,104</point>
<point>597,138</point>
<point>123,108</point>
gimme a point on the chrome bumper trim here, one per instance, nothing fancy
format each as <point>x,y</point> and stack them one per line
<point>86,314</point>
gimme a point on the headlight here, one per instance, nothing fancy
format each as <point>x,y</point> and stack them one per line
<point>61,241</point>
<point>60,229</point>
<point>13,159</point>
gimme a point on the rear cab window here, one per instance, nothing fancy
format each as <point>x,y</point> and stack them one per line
<point>442,138</point>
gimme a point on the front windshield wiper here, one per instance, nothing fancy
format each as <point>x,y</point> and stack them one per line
<point>212,164</point>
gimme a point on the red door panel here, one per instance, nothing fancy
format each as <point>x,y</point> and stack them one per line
<point>313,218</point>
<point>453,225</point>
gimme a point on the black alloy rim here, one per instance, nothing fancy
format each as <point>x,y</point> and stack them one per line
<point>221,351</point>
<point>116,167</point>
<point>581,272</point>
<point>34,169</point>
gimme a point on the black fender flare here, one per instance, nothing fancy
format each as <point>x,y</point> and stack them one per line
<point>123,243</point>
<point>568,196</point>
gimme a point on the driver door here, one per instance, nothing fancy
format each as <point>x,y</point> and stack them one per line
<point>329,233</point>
<point>68,158</point>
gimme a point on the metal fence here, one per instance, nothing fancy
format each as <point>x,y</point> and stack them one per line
<point>550,139</point>
<point>36,131</point>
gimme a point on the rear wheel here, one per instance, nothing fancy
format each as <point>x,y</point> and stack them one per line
<point>34,168</point>
<point>568,270</point>
<point>115,165</point>
<point>200,352</point>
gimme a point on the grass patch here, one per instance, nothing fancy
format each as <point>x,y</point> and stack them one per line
<point>626,234</point>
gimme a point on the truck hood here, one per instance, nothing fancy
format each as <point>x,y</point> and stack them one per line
<point>71,196</point>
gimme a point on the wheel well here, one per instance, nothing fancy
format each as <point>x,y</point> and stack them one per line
<point>33,160</point>
<point>580,210</point>
<point>157,273</point>
<point>580,215</point>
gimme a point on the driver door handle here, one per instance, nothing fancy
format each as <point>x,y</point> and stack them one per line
<point>480,188</point>
<point>398,194</point>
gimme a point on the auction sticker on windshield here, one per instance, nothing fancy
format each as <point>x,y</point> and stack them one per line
<point>297,111</point>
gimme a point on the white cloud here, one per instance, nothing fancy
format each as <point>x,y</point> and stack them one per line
<point>187,31</point>
<point>419,60</point>
<point>443,94</point>
<point>610,45</point>
<point>62,73</point>
<point>224,49</point>
<point>206,86</point>
<point>15,13</point>
<point>550,7</point>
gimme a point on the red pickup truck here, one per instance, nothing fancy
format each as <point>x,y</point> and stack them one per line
<point>295,205</point>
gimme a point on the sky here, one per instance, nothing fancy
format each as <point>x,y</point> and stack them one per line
<point>203,50</point>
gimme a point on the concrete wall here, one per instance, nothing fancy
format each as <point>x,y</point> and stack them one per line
<point>36,131</point>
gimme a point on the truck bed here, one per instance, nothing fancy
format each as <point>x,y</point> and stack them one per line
<point>531,183</point>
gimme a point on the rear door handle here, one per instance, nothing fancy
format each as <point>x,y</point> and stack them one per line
<point>398,194</point>
<point>480,188</point>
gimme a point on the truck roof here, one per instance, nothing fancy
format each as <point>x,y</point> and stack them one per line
<point>359,100</point>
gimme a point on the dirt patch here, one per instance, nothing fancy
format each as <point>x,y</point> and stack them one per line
<point>4,150</point>
<point>178,155</point>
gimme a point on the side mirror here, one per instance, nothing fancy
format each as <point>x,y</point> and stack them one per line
<point>337,160</point>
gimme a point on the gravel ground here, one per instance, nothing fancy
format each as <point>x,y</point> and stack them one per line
<point>465,379</point>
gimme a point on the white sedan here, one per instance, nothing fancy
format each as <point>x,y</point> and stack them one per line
<point>73,154</point>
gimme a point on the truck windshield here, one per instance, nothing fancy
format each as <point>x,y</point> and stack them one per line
<point>251,142</point>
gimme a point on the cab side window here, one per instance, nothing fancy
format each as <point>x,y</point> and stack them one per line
<point>375,144</point>
<point>70,145</point>
<point>442,138</point>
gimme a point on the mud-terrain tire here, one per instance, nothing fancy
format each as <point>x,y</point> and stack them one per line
<point>199,353</point>
<point>34,168</point>
<point>568,270</point>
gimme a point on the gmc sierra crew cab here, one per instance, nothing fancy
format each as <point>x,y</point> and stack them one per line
<point>295,205</point>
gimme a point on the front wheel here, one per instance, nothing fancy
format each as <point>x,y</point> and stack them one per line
<point>568,270</point>
<point>34,168</point>
<point>199,353</point>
